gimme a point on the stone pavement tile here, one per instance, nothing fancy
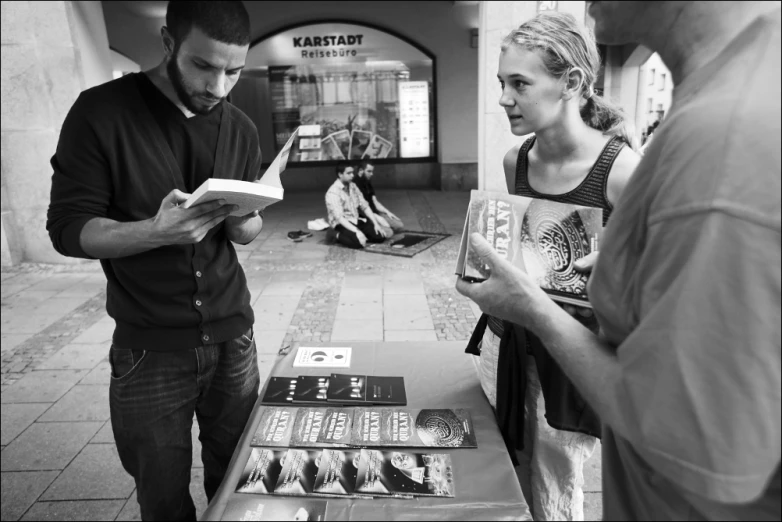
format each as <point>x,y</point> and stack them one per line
<point>47,445</point>
<point>75,510</point>
<point>357,330</point>
<point>96,473</point>
<point>34,318</point>
<point>81,403</point>
<point>593,506</point>
<point>76,357</point>
<point>412,320</point>
<point>284,288</point>
<point>16,418</point>
<point>274,304</point>
<point>410,335</point>
<point>362,281</point>
<point>412,287</point>
<point>197,461</point>
<point>101,374</point>
<point>99,333</point>
<point>132,513</point>
<point>42,386</point>
<point>11,341</point>
<point>58,282</point>
<point>593,471</point>
<point>395,303</point>
<point>265,364</point>
<point>361,295</point>
<point>291,276</point>
<point>88,288</point>
<point>21,490</point>
<point>348,311</point>
<point>269,341</point>
<point>104,435</point>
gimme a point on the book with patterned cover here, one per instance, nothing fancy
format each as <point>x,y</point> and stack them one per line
<point>544,238</point>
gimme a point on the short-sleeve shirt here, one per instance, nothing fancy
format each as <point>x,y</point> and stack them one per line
<point>687,289</point>
<point>342,201</point>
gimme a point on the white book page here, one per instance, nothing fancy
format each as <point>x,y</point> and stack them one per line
<point>272,175</point>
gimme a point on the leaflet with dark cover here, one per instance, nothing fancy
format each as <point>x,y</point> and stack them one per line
<point>279,391</point>
<point>337,472</point>
<point>367,389</point>
<point>310,389</point>
<point>544,238</point>
<point>402,427</point>
<point>261,472</point>
<point>405,474</point>
<point>255,509</point>
<point>275,427</point>
<point>299,470</point>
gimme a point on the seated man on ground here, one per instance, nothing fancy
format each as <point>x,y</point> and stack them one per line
<point>387,219</point>
<point>343,203</point>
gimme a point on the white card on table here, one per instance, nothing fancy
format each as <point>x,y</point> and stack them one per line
<point>323,357</point>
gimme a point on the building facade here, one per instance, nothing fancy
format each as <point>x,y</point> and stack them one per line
<point>410,85</point>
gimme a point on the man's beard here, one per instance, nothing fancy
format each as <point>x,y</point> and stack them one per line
<point>178,81</point>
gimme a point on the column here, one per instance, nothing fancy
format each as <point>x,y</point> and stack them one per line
<point>51,51</point>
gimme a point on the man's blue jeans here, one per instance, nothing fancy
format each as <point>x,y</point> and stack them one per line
<point>153,396</point>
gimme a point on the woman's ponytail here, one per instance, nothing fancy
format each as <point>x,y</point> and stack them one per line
<point>600,114</point>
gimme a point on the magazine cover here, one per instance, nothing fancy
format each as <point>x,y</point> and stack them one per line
<point>336,427</point>
<point>261,472</point>
<point>275,427</point>
<point>440,428</point>
<point>553,237</point>
<point>299,470</point>
<point>405,474</point>
<point>379,147</point>
<point>331,150</point>
<point>342,140</point>
<point>253,509</point>
<point>307,428</point>
<point>359,142</point>
<point>543,238</point>
<point>337,472</point>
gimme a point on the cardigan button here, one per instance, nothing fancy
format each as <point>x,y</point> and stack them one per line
<point>206,338</point>
<point>198,274</point>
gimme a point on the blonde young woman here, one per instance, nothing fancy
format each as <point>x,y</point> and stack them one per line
<point>578,153</point>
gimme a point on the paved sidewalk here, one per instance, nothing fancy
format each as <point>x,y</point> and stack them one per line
<point>59,461</point>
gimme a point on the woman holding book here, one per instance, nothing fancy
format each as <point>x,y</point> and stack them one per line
<point>578,153</point>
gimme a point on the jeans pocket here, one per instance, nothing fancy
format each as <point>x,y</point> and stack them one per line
<point>125,362</point>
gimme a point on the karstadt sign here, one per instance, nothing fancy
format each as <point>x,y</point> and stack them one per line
<point>323,43</point>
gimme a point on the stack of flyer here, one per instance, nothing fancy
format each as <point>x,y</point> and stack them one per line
<point>364,427</point>
<point>338,389</point>
<point>353,474</point>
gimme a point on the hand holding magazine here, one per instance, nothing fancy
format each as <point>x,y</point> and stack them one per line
<point>248,195</point>
<point>544,238</point>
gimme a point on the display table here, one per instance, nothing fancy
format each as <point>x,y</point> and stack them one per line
<point>437,375</point>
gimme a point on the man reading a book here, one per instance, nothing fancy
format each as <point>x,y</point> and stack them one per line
<point>129,153</point>
<point>345,205</point>
<point>389,223</point>
<point>685,373</point>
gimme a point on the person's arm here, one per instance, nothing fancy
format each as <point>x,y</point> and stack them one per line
<point>103,238</point>
<point>695,387</point>
<point>620,174</point>
<point>366,209</point>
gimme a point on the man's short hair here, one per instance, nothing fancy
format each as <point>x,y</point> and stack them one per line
<point>364,164</point>
<point>226,22</point>
<point>341,166</point>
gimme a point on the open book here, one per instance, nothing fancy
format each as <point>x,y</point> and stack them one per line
<point>250,196</point>
<point>544,238</point>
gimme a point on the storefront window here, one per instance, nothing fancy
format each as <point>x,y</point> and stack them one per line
<point>361,93</point>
